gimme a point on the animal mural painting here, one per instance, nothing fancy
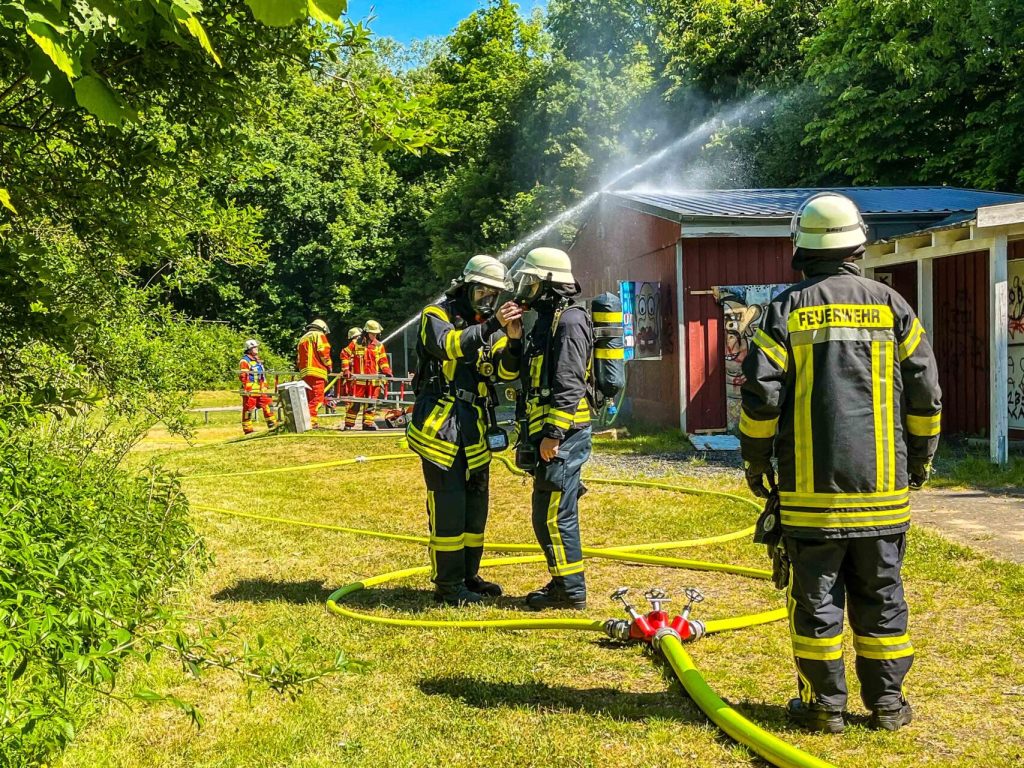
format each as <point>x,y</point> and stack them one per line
<point>743,307</point>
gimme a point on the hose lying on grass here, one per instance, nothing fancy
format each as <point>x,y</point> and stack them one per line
<point>769,747</point>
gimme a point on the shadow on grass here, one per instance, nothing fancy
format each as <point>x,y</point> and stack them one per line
<point>612,702</point>
<point>417,601</point>
<point>268,591</point>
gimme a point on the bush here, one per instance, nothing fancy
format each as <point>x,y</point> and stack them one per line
<point>86,553</point>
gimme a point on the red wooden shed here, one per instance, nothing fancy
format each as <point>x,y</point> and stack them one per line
<point>691,241</point>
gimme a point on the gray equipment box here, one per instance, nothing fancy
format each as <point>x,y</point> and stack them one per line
<point>295,403</point>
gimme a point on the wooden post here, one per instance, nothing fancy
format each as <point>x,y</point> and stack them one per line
<point>684,390</point>
<point>926,295</point>
<point>999,336</point>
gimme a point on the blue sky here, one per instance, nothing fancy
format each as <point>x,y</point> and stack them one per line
<point>407,20</point>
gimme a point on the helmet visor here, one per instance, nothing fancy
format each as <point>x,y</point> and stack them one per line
<point>483,298</point>
<point>528,288</point>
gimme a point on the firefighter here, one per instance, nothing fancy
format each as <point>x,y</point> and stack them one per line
<point>558,396</point>
<point>364,356</point>
<point>255,391</point>
<point>314,364</point>
<point>462,351</point>
<point>343,392</point>
<point>842,387</point>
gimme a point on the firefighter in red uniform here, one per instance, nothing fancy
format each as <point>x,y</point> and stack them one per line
<point>255,393</point>
<point>314,364</point>
<point>364,356</point>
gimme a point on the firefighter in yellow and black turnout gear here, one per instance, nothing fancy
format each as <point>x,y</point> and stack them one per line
<point>842,387</point>
<point>466,344</point>
<point>555,431</point>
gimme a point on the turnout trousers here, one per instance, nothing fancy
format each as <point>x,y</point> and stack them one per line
<point>457,513</point>
<point>250,402</point>
<point>556,512</point>
<point>361,389</point>
<point>862,575</point>
<point>316,397</point>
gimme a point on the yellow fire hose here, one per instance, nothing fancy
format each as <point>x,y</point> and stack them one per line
<point>769,747</point>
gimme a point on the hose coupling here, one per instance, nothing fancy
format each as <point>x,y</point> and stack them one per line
<point>662,633</point>
<point>697,630</point>
<point>617,629</point>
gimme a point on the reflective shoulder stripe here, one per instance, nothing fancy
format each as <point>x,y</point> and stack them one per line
<point>772,349</point>
<point>437,312</point>
<point>910,344</point>
<point>924,426</point>
<point>499,345</point>
<point>758,427</point>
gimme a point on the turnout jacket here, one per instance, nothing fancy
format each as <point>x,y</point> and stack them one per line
<point>458,359</point>
<point>556,379</point>
<point>314,356</point>
<point>253,375</point>
<point>841,384</point>
<point>363,357</point>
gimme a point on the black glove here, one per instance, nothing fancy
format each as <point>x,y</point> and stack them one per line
<point>920,475</point>
<point>756,476</point>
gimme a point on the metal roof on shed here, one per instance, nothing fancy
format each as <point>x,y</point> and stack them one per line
<point>698,204</point>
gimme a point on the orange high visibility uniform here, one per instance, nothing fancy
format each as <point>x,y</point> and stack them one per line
<point>364,358</point>
<point>314,364</point>
<point>314,358</point>
<point>256,392</point>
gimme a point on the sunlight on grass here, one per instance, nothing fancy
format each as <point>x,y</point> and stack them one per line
<point>450,697</point>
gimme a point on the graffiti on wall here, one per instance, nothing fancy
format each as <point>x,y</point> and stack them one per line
<point>743,307</point>
<point>1015,364</point>
<point>642,319</point>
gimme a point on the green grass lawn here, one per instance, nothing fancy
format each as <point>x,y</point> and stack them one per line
<point>465,698</point>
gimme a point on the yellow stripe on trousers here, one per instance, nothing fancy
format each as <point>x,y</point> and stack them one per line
<point>806,690</point>
<point>804,442</point>
<point>432,513</point>
<point>556,536</point>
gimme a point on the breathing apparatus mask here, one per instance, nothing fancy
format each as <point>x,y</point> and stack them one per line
<point>528,289</point>
<point>483,299</point>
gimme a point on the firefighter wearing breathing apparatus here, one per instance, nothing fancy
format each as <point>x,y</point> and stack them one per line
<point>466,345</point>
<point>842,387</point>
<point>554,420</point>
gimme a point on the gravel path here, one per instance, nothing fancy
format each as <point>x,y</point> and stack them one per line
<point>990,522</point>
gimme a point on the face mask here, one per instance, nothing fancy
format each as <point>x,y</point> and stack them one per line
<point>484,299</point>
<point>528,289</point>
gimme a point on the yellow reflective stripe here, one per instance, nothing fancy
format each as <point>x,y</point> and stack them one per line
<point>536,366</point>
<point>844,519</point>
<point>607,317</point>
<point>446,543</point>
<point>316,373</point>
<point>583,411</point>
<point>438,416</point>
<point>817,648</point>
<point>806,689</point>
<point>758,427</point>
<point>437,312</point>
<point>430,453</point>
<point>567,570</point>
<point>803,439</point>
<point>913,340</point>
<point>432,515</point>
<point>828,500</point>
<point>841,316</point>
<point>453,344</point>
<point>893,647</point>
<point>473,539</point>
<point>431,441</point>
<point>881,398</point>
<point>771,348</point>
<point>609,354</point>
<point>560,419</point>
<point>505,373</point>
<point>924,426</point>
<point>556,536</point>
<point>499,345</point>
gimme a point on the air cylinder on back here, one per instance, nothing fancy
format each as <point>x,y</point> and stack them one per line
<point>609,346</point>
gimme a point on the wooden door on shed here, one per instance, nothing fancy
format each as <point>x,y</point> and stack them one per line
<point>718,261</point>
<point>961,320</point>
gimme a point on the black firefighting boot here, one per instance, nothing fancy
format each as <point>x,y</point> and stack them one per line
<point>891,719</point>
<point>450,578</point>
<point>369,427</point>
<point>556,594</point>
<point>473,581</point>
<point>814,717</point>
